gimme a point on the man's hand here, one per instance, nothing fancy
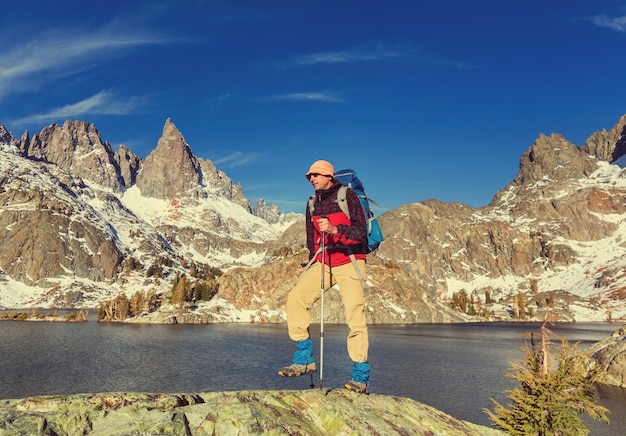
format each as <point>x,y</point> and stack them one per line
<point>325,226</point>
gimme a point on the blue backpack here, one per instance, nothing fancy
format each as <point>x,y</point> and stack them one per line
<point>349,179</point>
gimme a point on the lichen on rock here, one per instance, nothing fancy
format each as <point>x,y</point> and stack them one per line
<point>311,412</point>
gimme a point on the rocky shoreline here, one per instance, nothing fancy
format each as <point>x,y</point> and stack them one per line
<point>76,315</point>
<point>610,354</point>
<point>312,412</point>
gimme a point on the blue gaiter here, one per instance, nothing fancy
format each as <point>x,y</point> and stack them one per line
<point>304,352</point>
<point>361,372</point>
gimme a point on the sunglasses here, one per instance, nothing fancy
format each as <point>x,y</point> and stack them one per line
<point>310,176</point>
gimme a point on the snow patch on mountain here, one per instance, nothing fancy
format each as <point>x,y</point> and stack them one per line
<point>582,279</point>
<point>183,212</point>
<point>132,222</point>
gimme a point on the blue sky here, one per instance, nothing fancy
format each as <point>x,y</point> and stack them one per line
<point>425,99</point>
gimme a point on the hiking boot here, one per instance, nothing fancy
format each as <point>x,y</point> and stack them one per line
<point>296,370</point>
<point>359,388</point>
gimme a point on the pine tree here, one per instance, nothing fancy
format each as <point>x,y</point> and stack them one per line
<point>137,302</point>
<point>122,306</point>
<point>204,289</point>
<point>549,399</point>
<point>181,291</point>
<point>151,301</point>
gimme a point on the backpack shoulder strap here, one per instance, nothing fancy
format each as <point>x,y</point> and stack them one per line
<point>358,271</point>
<point>341,200</point>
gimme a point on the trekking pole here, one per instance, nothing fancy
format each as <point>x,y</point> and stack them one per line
<point>322,314</point>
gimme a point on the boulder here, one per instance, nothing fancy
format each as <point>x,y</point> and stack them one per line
<point>311,412</point>
<point>610,354</point>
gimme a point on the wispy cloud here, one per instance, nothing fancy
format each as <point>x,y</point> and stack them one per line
<point>615,23</point>
<point>217,102</point>
<point>448,63</point>
<point>374,53</point>
<point>325,97</point>
<point>56,54</point>
<point>235,159</point>
<point>261,186</point>
<point>361,54</point>
<point>104,102</point>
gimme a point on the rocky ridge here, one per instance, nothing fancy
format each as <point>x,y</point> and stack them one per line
<point>610,354</point>
<point>556,231</point>
<point>68,178</point>
<point>317,412</point>
<point>555,236</point>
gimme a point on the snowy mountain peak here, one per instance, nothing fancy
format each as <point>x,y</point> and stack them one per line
<point>551,240</point>
<point>171,169</point>
<point>7,141</point>
<point>5,135</point>
<point>77,148</point>
<point>74,226</point>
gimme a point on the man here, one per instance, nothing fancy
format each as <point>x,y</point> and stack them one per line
<point>343,236</point>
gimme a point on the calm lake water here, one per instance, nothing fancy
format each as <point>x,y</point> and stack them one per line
<point>456,368</point>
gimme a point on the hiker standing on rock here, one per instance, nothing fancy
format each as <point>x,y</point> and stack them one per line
<point>343,236</point>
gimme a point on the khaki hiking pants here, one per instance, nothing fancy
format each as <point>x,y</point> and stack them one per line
<point>308,290</point>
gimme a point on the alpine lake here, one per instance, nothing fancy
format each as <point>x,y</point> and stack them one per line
<point>457,368</point>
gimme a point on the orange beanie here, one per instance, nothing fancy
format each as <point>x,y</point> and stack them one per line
<point>322,167</point>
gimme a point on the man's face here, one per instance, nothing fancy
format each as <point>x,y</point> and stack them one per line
<point>320,181</point>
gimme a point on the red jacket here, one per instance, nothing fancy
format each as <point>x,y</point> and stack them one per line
<point>351,234</point>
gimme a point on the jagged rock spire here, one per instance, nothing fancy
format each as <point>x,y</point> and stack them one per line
<point>128,163</point>
<point>171,169</point>
<point>553,156</point>
<point>603,143</point>
<point>620,145</point>
<point>77,148</point>
<point>5,135</point>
